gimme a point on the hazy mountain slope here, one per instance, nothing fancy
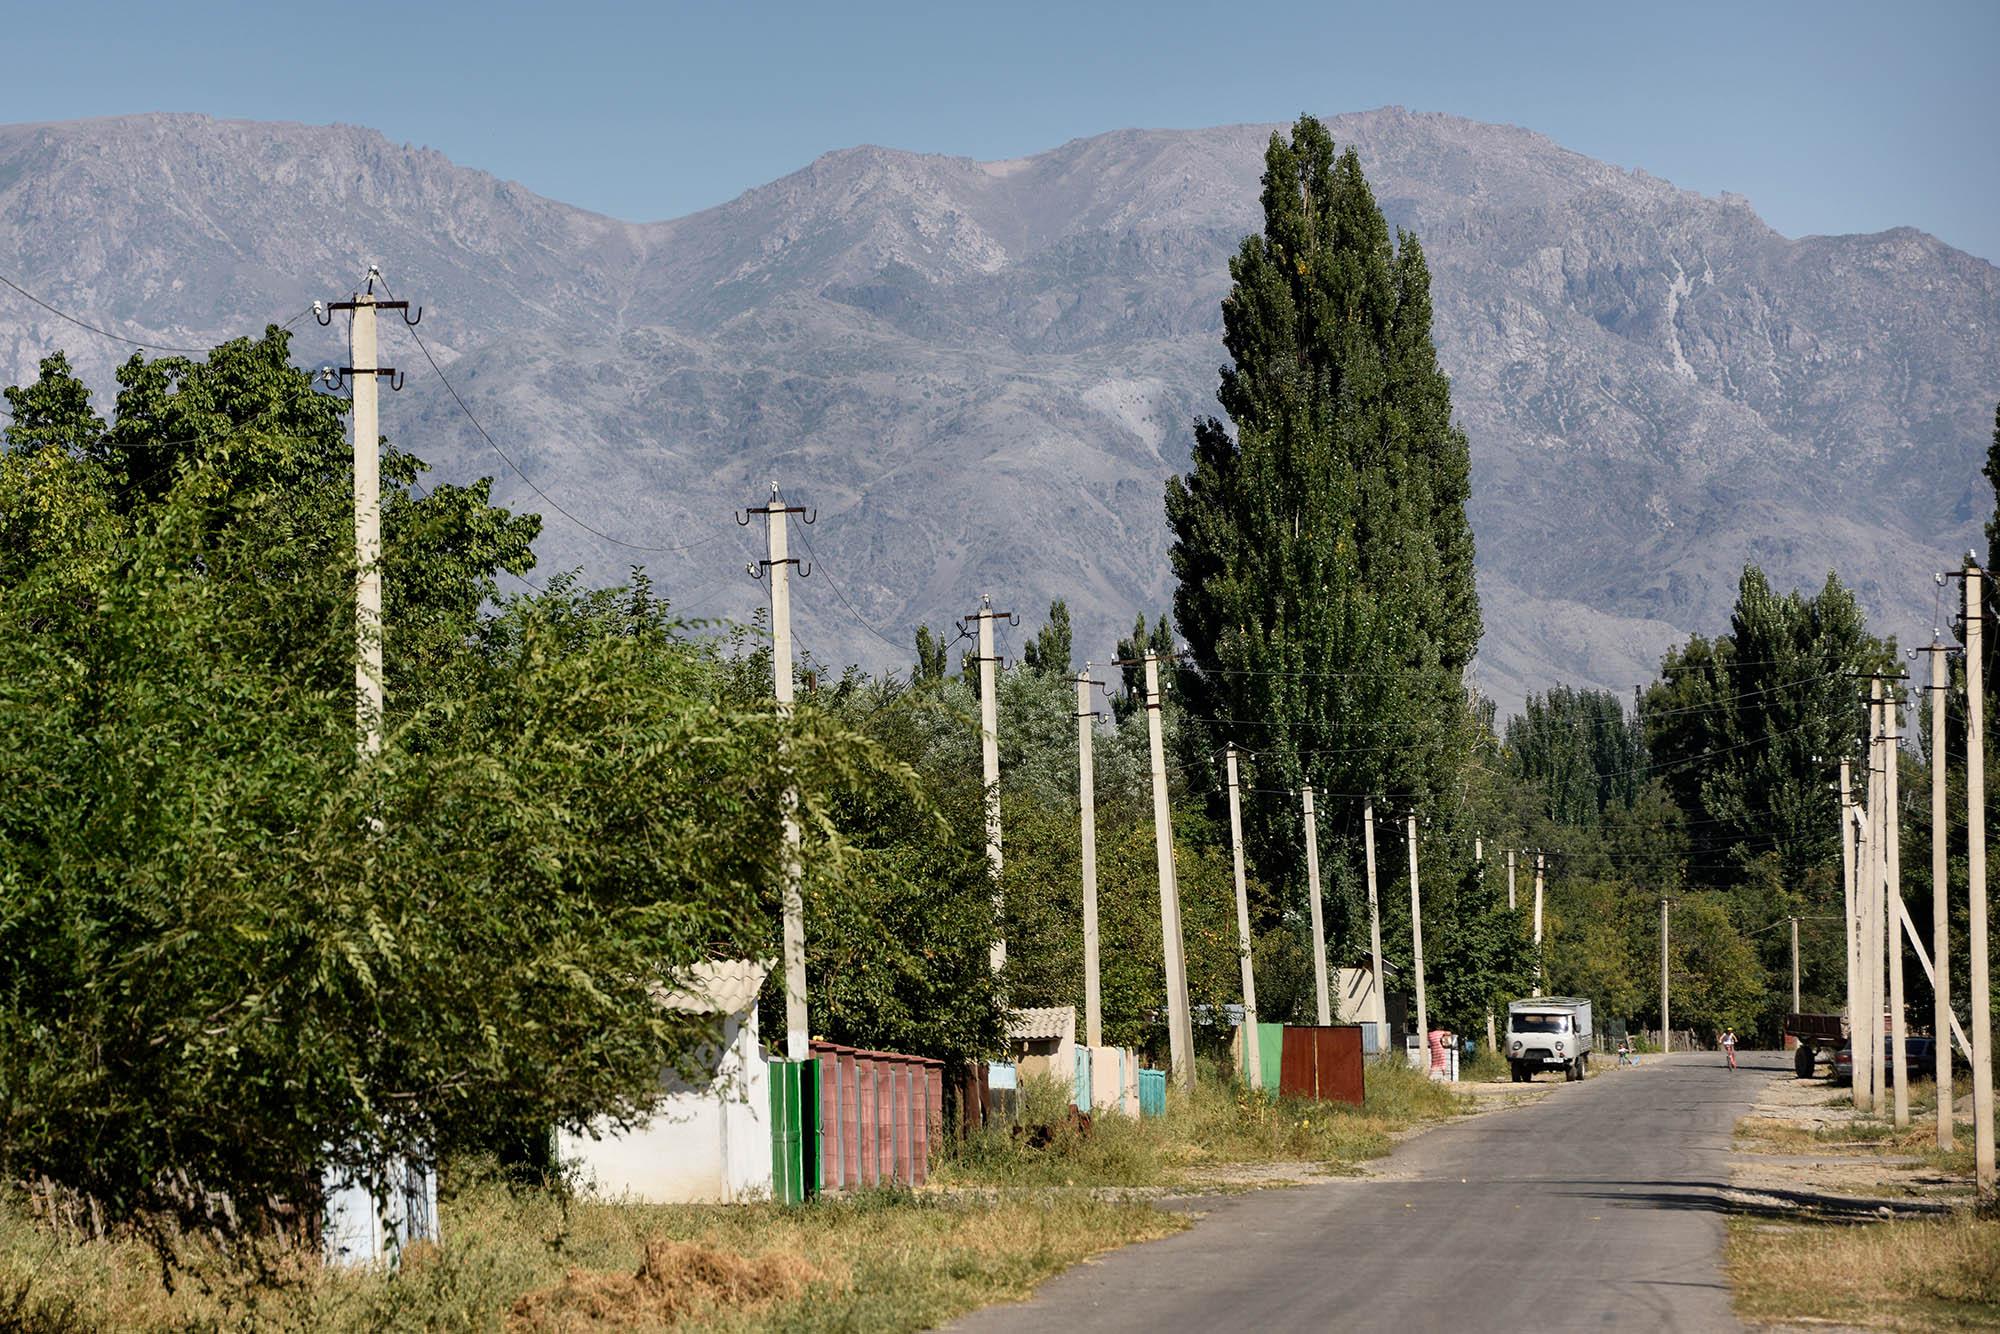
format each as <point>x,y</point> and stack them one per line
<point>981,372</point>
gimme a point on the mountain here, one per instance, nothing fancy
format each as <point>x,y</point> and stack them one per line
<point>980,373</point>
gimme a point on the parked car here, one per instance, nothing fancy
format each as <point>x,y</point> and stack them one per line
<point>1920,1053</point>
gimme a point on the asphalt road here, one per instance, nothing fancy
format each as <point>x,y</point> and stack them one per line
<point>1597,1207</point>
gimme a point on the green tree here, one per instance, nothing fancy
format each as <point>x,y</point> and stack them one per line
<point>240,953</point>
<point>1323,557</point>
<point>1049,651</point>
<point>1581,748</point>
<point>1745,731</point>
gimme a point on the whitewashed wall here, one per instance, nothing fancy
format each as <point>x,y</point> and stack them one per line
<point>703,1144</point>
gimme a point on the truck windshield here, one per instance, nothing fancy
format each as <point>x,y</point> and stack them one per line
<point>1541,1023</point>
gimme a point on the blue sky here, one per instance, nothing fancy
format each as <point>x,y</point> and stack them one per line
<point>1831,117</point>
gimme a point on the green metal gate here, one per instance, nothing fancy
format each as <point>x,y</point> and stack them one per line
<point>795,1131</point>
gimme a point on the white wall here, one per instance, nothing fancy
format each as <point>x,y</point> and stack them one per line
<point>707,1144</point>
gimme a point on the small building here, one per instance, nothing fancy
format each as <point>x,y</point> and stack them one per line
<point>708,1139</point>
<point>1043,1041</point>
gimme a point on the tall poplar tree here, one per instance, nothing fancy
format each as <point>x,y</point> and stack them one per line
<point>1323,554</point>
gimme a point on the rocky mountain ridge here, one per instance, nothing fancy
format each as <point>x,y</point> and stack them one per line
<point>980,373</point>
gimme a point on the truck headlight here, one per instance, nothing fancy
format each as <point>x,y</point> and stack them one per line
<point>1517,1046</point>
<point>1559,1048</point>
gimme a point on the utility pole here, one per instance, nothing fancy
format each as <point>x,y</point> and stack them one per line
<point>1848,896</point>
<point>1871,933</point>
<point>1541,864</point>
<point>1479,858</point>
<point>364,370</point>
<point>1941,1015</point>
<point>989,757</point>
<point>1865,1038</point>
<point>1252,1047</point>
<point>1978,991</point>
<point>777,565</point>
<point>356,1228</point>
<point>1511,905</point>
<point>1086,802</point>
<point>1666,1020</point>
<point>1892,890</point>
<point>1180,1031</point>
<point>1375,927</point>
<point>1318,916</point>
<point>1795,965</point>
<point>1417,936</point>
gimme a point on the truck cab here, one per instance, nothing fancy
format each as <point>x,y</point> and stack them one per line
<point>1549,1033</point>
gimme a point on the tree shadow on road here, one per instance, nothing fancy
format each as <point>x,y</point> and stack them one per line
<point>1740,1202</point>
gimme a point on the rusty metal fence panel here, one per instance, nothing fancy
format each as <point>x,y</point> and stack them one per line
<point>883,1114</point>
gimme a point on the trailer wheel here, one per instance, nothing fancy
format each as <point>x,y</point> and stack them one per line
<point>1802,1061</point>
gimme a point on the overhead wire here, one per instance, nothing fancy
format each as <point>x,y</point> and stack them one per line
<point>528,481</point>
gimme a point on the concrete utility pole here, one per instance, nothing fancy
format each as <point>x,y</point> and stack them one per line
<point>1479,857</point>
<point>1848,898</point>
<point>1892,889</point>
<point>777,565</point>
<point>368,682</point>
<point>356,1229</point>
<point>1086,803</point>
<point>1511,904</point>
<point>1878,981</point>
<point>1541,864</point>
<point>1417,936</point>
<point>1978,992</point>
<point>1180,1029</point>
<point>1381,1006</point>
<point>989,757</point>
<point>1666,1019</point>
<point>1795,965</point>
<point>1865,1037</point>
<point>1252,1047</point>
<point>1941,1015</point>
<point>1318,916</point>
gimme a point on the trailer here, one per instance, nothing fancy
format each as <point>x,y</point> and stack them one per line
<point>1815,1033</point>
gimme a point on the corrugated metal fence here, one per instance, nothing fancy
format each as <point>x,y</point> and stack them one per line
<point>881,1115</point>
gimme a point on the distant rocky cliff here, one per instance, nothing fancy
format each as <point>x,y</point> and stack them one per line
<point>981,373</point>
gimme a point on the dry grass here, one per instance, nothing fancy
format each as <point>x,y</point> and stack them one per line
<point>1220,1125</point>
<point>1918,1274</point>
<point>1863,1137</point>
<point>531,1260</point>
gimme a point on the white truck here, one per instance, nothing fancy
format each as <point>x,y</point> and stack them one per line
<point>1549,1033</point>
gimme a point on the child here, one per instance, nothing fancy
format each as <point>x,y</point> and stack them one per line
<point>1729,1046</point>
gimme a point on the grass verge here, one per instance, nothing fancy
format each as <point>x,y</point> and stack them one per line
<point>1221,1124</point>
<point>529,1260</point>
<point>1910,1274</point>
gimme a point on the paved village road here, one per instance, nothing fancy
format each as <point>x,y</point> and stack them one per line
<point>1597,1207</point>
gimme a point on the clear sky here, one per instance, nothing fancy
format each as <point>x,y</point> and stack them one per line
<point>1830,116</point>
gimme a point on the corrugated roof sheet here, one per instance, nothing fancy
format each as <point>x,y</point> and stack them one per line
<point>1049,1021</point>
<point>720,986</point>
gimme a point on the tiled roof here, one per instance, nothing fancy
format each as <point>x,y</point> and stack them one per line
<point>1049,1021</point>
<point>720,986</point>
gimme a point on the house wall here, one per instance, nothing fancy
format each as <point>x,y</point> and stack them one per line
<point>703,1143</point>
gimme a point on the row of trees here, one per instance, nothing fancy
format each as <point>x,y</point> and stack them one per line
<point>239,948</point>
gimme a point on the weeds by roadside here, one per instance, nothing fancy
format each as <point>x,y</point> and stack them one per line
<point>1220,1124</point>
<point>531,1260</point>
<point>1910,1274</point>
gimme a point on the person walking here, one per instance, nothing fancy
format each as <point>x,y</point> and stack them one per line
<point>1729,1046</point>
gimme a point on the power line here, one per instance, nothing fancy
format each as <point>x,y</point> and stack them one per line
<point>144,344</point>
<point>492,444</point>
<point>819,567</point>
